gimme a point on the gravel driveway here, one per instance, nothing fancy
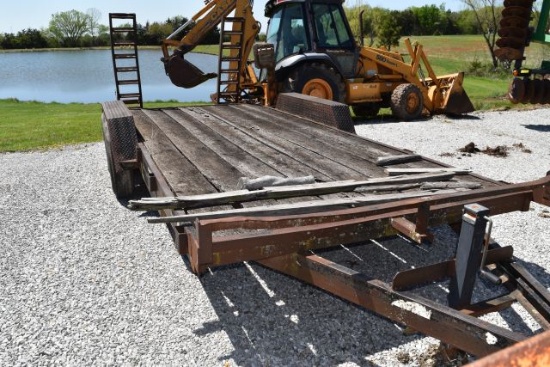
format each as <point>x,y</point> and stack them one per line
<point>85,281</point>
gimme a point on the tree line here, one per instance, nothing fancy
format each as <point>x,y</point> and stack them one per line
<point>381,27</point>
<point>83,29</point>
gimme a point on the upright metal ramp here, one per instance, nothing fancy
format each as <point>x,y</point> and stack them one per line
<point>230,60</point>
<point>123,31</point>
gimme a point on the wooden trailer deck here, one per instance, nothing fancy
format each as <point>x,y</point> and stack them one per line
<point>193,159</point>
<point>202,150</point>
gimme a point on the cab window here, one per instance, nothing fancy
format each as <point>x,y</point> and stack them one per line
<point>287,31</point>
<point>330,27</point>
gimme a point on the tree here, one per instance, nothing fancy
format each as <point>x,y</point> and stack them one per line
<point>388,30</point>
<point>408,22</point>
<point>428,18</point>
<point>157,32</point>
<point>487,17</point>
<point>353,15</point>
<point>31,38</point>
<point>93,17</point>
<point>9,41</point>
<point>68,27</point>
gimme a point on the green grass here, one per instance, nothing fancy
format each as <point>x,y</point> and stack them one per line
<point>451,54</point>
<point>34,125</point>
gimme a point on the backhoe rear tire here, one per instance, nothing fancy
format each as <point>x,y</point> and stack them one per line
<point>407,102</point>
<point>317,80</point>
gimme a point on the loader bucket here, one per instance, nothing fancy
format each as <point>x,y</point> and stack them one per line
<point>184,74</point>
<point>456,100</point>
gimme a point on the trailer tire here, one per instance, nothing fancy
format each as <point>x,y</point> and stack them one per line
<point>366,109</point>
<point>407,102</point>
<point>122,180</point>
<point>317,80</point>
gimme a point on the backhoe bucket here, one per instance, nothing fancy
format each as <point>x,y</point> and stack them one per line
<point>456,100</point>
<point>184,74</point>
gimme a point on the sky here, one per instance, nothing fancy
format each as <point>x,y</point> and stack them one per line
<point>36,14</point>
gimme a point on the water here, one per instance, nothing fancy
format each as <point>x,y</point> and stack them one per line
<point>87,76</point>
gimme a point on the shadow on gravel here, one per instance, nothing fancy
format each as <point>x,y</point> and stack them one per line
<point>388,119</point>
<point>541,128</point>
<point>463,117</point>
<point>274,320</point>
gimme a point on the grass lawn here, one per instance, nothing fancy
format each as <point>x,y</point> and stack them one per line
<point>34,125</point>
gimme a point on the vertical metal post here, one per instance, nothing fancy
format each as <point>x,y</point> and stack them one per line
<point>468,255</point>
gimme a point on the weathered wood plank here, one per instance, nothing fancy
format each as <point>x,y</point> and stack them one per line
<point>335,163</point>
<point>294,146</point>
<point>450,185</point>
<point>297,208</point>
<point>217,171</point>
<point>317,132</point>
<point>277,192</point>
<point>397,159</point>
<point>180,174</point>
<point>412,171</point>
<point>271,156</point>
<point>223,147</point>
<point>316,135</point>
<point>355,145</point>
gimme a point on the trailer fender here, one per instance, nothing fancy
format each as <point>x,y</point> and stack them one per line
<point>120,137</point>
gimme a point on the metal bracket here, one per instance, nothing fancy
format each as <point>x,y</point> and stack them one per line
<point>468,255</point>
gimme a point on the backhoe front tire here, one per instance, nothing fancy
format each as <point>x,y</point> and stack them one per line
<point>407,102</point>
<point>317,80</point>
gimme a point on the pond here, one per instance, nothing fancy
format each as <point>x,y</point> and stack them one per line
<point>87,76</point>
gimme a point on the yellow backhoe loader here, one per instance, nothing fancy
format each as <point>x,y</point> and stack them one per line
<point>310,49</point>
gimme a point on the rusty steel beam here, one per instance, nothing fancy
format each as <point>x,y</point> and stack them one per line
<point>532,294</point>
<point>533,352</point>
<point>287,234</point>
<point>423,315</point>
<point>412,278</point>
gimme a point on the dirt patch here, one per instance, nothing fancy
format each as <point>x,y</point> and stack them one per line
<point>498,151</point>
<point>437,355</point>
<point>522,147</point>
<point>404,357</point>
<point>471,148</point>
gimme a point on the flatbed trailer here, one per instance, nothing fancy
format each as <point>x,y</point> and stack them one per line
<point>196,163</point>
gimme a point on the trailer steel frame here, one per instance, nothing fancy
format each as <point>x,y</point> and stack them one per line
<point>285,242</point>
<point>289,244</point>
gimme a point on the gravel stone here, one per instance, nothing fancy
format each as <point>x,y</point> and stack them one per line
<point>85,281</point>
